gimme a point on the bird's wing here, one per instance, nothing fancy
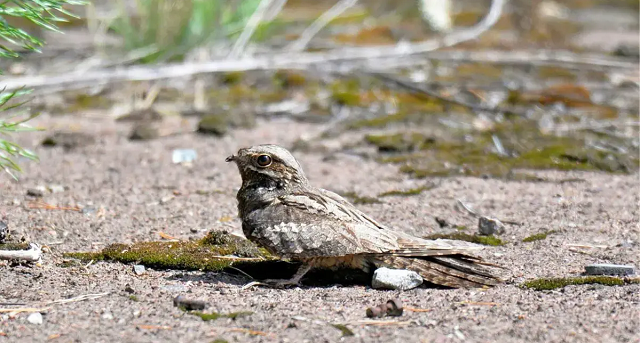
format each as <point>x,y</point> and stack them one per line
<point>403,244</point>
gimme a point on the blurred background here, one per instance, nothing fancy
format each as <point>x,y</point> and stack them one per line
<point>438,87</point>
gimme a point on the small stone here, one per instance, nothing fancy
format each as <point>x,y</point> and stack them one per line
<point>609,269</point>
<point>35,318</point>
<point>53,188</point>
<point>36,191</point>
<point>88,210</point>
<point>139,269</point>
<point>107,316</point>
<point>490,226</point>
<point>395,279</point>
<point>4,231</point>
<point>189,304</point>
<point>166,199</point>
<point>144,132</point>
<point>184,156</point>
<point>69,140</point>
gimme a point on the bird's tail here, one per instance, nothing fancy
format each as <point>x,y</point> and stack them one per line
<point>458,271</point>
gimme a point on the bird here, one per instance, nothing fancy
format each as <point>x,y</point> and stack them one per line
<point>283,212</point>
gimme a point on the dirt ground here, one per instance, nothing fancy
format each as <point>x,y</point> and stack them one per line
<point>130,185</point>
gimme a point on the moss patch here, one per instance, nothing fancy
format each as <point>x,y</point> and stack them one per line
<point>357,199</point>
<point>538,236</point>
<point>14,246</point>
<point>205,255</point>
<point>212,253</point>
<point>215,315</point>
<point>344,329</point>
<point>461,236</point>
<point>408,192</point>
<point>555,283</point>
<point>475,154</point>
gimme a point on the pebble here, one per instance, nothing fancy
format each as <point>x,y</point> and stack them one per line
<point>189,304</point>
<point>37,191</point>
<point>56,188</point>
<point>609,269</point>
<point>395,279</point>
<point>184,156</point>
<point>4,231</point>
<point>35,318</point>
<point>138,269</point>
<point>490,226</point>
<point>107,316</point>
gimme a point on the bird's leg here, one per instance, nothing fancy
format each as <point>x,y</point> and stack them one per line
<point>294,280</point>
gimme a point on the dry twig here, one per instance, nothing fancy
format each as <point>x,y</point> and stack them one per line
<point>33,254</point>
<point>301,43</point>
<point>368,58</point>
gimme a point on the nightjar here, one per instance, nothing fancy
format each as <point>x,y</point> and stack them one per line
<point>284,213</point>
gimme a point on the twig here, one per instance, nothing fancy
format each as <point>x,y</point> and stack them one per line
<point>420,91</point>
<point>79,298</point>
<point>467,208</point>
<point>23,309</point>
<point>33,254</point>
<point>595,125</point>
<point>153,327</point>
<point>413,309</point>
<point>370,55</point>
<point>378,322</point>
<point>250,28</point>
<point>480,303</point>
<point>45,206</point>
<point>275,9</point>
<point>249,331</point>
<point>301,43</point>
<point>241,272</point>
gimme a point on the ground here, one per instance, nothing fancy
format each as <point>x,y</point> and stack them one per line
<point>136,192</point>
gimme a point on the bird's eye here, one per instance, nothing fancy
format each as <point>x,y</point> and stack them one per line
<point>263,160</point>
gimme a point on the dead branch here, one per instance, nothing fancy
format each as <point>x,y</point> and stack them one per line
<point>250,28</point>
<point>367,57</point>
<point>33,254</point>
<point>301,43</point>
<point>423,92</point>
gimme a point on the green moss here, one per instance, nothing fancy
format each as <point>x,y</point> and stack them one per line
<point>539,236</point>
<point>133,298</point>
<point>14,246</point>
<point>207,254</point>
<point>215,315</point>
<point>358,199</point>
<point>289,79</point>
<point>219,340</point>
<point>460,236</point>
<point>555,283</point>
<point>344,329</point>
<point>84,101</point>
<point>408,192</point>
<point>474,154</point>
<point>232,78</point>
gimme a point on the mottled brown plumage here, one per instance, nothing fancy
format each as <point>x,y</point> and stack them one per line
<point>282,212</point>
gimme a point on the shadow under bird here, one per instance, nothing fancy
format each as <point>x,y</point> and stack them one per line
<point>282,212</point>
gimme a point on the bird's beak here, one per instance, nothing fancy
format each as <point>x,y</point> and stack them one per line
<point>230,158</point>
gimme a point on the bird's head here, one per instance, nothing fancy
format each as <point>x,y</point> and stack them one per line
<point>268,166</point>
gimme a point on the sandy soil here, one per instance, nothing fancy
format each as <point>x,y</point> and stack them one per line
<point>130,184</point>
